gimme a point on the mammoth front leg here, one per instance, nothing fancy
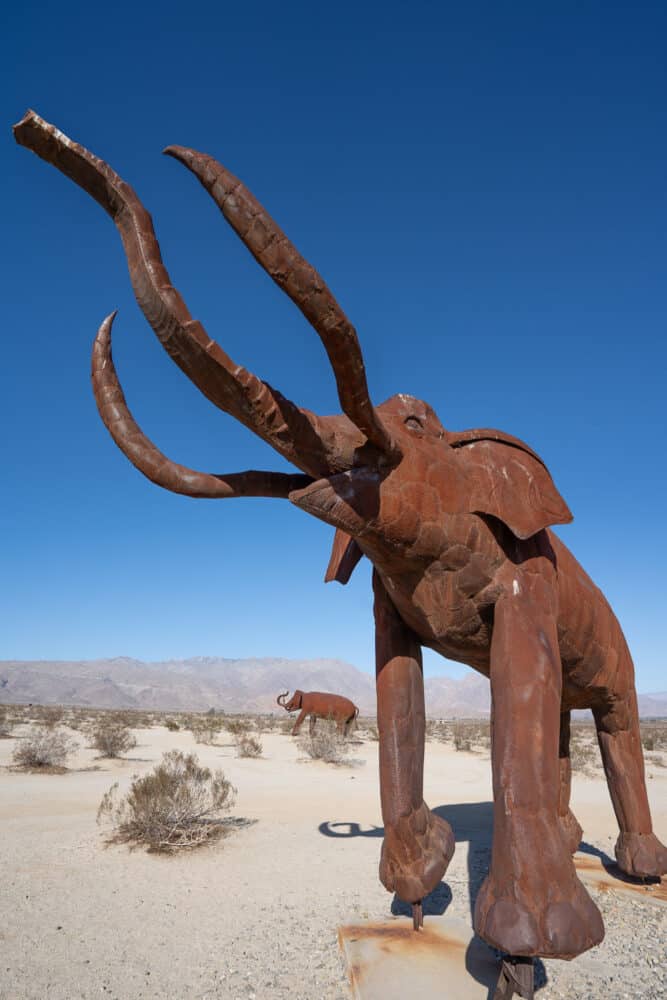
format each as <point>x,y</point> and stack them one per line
<point>299,722</point>
<point>311,725</point>
<point>532,902</point>
<point>417,844</point>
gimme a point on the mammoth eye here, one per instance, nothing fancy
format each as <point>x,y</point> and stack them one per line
<point>414,423</point>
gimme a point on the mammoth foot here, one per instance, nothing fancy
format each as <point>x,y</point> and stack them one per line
<point>532,902</point>
<point>641,855</point>
<point>415,854</point>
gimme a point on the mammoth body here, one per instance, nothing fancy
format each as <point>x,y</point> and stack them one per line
<point>457,527</point>
<point>320,705</point>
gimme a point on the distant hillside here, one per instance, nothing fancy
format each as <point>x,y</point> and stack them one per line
<point>250,685</point>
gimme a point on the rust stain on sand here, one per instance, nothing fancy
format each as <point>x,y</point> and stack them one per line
<point>610,877</point>
<point>397,938</point>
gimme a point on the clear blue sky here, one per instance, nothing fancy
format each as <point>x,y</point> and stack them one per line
<point>483,187</point>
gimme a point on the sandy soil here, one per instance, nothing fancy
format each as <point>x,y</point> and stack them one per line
<point>256,915</point>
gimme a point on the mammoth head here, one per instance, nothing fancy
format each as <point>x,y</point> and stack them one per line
<point>293,704</point>
<point>389,473</point>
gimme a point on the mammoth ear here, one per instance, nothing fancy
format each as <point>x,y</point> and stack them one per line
<point>345,554</point>
<point>509,481</point>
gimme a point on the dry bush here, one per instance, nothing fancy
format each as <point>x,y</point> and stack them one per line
<point>45,750</point>
<point>237,727</point>
<point>179,804</point>
<point>481,733</point>
<point>21,714</point>
<point>583,756</point>
<point>5,724</point>
<point>75,718</point>
<point>431,729</point>
<point>205,728</point>
<point>172,725</point>
<point>287,725</point>
<point>130,718</point>
<point>111,738</point>
<point>248,746</point>
<point>49,715</point>
<point>326,743</point>
<point>653,735</point>
<point>469,733</point>
<point>648,741</point>
<point>442,732</point>
<point>372,733</point>
<point>461,736</point>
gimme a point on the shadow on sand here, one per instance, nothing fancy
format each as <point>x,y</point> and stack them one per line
<point>471,822</point>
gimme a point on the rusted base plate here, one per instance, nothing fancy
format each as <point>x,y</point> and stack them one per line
<point>391,961</point>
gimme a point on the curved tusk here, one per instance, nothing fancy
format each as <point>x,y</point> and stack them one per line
<point>149,460</point>
<point>291,431</point>
<point>301,282</point>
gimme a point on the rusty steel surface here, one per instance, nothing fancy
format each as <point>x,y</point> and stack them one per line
<point>457,527</point>
<point>320,705</point>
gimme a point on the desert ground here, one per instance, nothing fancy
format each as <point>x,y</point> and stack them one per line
<point>256,913</point>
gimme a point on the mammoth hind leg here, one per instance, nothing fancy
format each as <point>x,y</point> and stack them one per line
<point>311,724</point>
<point>568,821</point>
<point>638,850</point>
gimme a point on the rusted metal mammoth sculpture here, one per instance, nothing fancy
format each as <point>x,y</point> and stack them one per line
<point>320,705</point>
<point>456,525</point>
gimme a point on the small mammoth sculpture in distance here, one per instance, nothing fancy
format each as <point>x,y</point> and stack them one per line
<point>320,705</point>
<point>457,527</point>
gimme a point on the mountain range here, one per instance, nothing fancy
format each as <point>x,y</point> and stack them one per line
<point>249,685</point>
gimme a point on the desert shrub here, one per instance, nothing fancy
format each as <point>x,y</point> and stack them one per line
<point>431,729</point>
<point>51,716</point>
<point>5,724</point>
<point>21,714</point>
<point>127,718</point>
<point>287,725</point>
<point>112,738</point>
<point>654,735</point>
<point>442,732</point>
<point>237,727</point>
<point>461,736</point>
<point>249,746</point>
<point>325,744</point>
<point>583,757</point>
<point>172,725</point>
<point>71,718</point>
<point>179,804</point>
<point>372,733</point>
<point>44,749</point>
<point>205,728</point>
